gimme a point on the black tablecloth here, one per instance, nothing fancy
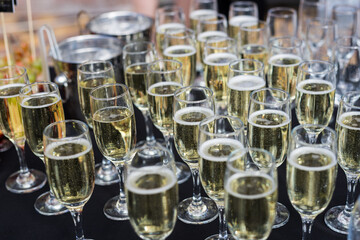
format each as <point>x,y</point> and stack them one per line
<point>19,220</point>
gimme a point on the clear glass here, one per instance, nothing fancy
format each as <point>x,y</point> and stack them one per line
<point>311,172</point>
<point>115,134</point>
<point>345,18</point>
<point>354,228</point>
<point>269,126</point>
<point>41,105</point>
<point>245,76</point>
<point>218,53</point>
<point>309,9</point>
<point>240,12</point>
<point>284,59</point>
<point>90,75</point>
<point>218,137</point>
<point>348,132</point>
<point>151,183</point>
<point>251,192</point>
<point>70,166</point>
<point>191,105</point>
<point>282,22</point>
<point>12,79</point>
<point>200,9</point>
<point>320,40</point>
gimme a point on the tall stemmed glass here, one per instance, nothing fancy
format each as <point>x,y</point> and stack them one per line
<point>70,166</point>
<point>269,126</point>
<point>345,18</point>
<point>282,22</point>
<point>311,172</point>
<point>218,137</point>
<point>12,79</point>
<point>115,134</point>
<point>90,75</point>
<point>41,105</point>
<point>348,133</point>
<point>309,9</point>
<point>251,192</point>
<point>152,191</point>
<point>192,105</point>
<point>240,12</point>
<point>200,9</point>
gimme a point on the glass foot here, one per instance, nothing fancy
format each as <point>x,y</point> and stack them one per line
<point>45,205</point>
<point>282,215</point>
<point>25,183</point>
<point>106,176</point>
<point>201,214</point>
<point>116,211</point>
<point>183,172</point>
<point>336,220</point>
<point>217,237</point>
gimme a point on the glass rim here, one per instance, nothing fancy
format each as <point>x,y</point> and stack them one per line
<point>169,9</point>
<point>231,43</point>
<point>186,30</point>
<point>148,43</point>
<point>259,63</point>
<point>78,122</point>
<point>242,5</point>
<point>279,103</point>
<point>28,88</point>
<point>303,126</point>
<point>348,9</point>
<point>257,29</point>
<point>327,63</point>
<point>313,3</point>
<point>290,12</point>
<point>219,19</point>
<point>23,72</point>
<point>106,63</point>
<point>154,63</point>
<point>123,86</point>
<point>297,42</point>
<point>324,22</point>
<point>183,89</point>
<point>346,96</point>
<point>215,117</point>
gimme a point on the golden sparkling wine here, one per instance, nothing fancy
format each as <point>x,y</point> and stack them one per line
<point>160,33</point>
<point>235,22</point>
<point>186,132</point>
<point>270,130</point>
<point>255,52</point>
<point>70,171</point>
<point>160,100</point>
<point>115,130</point>
<point>311,175</point>
<point>239,89</point>
<point>10,113</point>
<point>201,40</point>
<point>185,54</point>
<point>315,101</point>
<point>250,204</point>
<point>135,79</point>
<point>348,131</point>
<point>84,88</point>
<point>214,154</point>
<point>196,15</point>
<point>152,198</point>
<point>38,112</point>
<point>216,73</point>
<point>282,72</point>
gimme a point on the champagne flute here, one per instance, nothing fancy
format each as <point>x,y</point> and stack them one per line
<point>218,137</point>
<point>251,192</point>
<point>12,79</point>
<point>90,75</point>
<point>245,76</point>
<point>240,12</point>
<point>200,9</point>
<point>309,9</point>
<point>218,53</point>
<point>70,166</point>
<point>41,105</point>
<point>348,132</point>
<point>115,134</point>
<point>269,126</point>
<point>151,191</point>
<point>311,172</point>
<point>345,18</point>
<point>282,22</point>
<point>191,105</point>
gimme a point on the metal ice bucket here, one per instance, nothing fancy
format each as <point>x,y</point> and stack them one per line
<point>76,50</point>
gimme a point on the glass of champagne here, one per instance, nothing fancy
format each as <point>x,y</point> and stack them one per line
<point>311,172</point>
<point>245,76</point>
<point>115,134</point>
<point>218,137</point>
<point>348,133</point>
<point>41,105</point>
<point>191,105</point>
<point>251,192</point>
<point>309,9</point>
<point>240,12</point>
<point>200,9</point>
<point>284,60</point>
<point>269,126</point>
<point>12,79</point>
<point>70,166</point>
<point>282,22</point>
<point>346,20</point>
<point>152,191</point>
<point>218,53</point>
<point>90,75</point>
<point>315,94</point>
<point>165,18</point>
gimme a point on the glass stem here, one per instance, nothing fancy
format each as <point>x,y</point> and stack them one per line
<point>306,227</point>
<point>222,223</point>
<point>122,197</point>
<point>77,218</point>
<point>196,188</point>
<point>150,138</point>
<point>21,153</point>
<point>350,196</point>
<point>168,141</point>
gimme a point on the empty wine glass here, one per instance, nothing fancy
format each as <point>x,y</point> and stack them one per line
<point>282,22</point>
<point>345,19</point>
<point>309,9</point>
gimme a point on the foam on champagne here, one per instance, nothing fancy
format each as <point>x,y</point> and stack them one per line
<point>300,86</point>
<point>52,146</point>
<point>219,59</point>
<point>246,83</point>
<point>350,114</point>
<point>268,111</point>
<point>189,110</point>
<point>203,14</point>
<point>163,27</point>
<point>40,95</point>
<point>169,52</point>
<point>202,37</point>
<point>274,60</point>
<point>204,148</point>
<point>162,84</point>
<point>238,20</point>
